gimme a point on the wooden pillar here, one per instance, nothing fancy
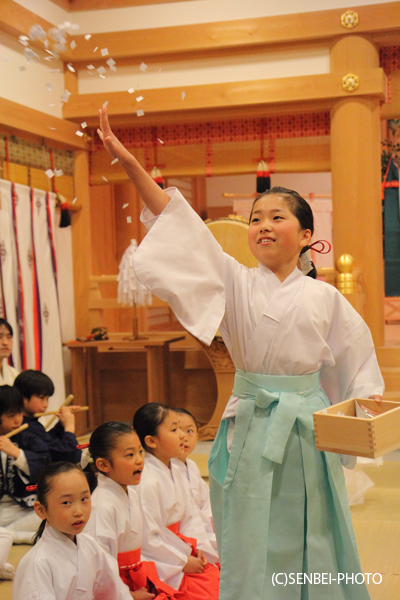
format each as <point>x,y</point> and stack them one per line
<point>355,165</point>
<point>81,244</point>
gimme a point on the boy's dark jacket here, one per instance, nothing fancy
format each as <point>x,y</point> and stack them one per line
<point>13,482</point>
<point>61,444</point>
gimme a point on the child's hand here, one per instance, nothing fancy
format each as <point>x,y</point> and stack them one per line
<point>8,447</point>
<point>193,566</point>
<point>110,141</point>
<point>67,418</point>
<point>202,557</point>
<point>376,397</point>
<point>142,594</point>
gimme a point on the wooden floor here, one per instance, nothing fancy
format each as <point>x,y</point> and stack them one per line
<point>376,525</point>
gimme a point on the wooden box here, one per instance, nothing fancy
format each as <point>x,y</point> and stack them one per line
<point>347,434</point>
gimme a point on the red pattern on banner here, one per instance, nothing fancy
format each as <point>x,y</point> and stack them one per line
<point>212,132</point>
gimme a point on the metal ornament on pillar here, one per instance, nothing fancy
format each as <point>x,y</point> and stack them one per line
<point>350,82</point>
<point>349,19</point>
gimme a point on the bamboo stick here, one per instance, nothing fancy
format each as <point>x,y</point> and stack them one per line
<point>67,401</point>
<point>15,431</point>
<point>55,412</point>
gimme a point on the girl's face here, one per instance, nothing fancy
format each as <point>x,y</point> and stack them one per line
<point>275,236</point>
<point>68,503</point>
<point>169,441</point>
<point>189,428</point>
<point>126,461</point>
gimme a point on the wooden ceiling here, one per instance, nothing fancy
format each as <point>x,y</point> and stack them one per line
<point>379,22</point>
<point>75,5</point>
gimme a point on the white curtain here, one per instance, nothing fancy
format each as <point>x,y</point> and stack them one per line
<point>29,282</point>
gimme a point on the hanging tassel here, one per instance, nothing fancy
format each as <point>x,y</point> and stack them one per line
<point>157,177</point>
<point>263,178</point>
<point>65,220</point>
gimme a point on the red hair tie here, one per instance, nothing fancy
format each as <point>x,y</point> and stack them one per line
<point>325,247</point>
<point>31,488</point>
<point>83,446</point>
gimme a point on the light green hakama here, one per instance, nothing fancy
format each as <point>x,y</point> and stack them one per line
<point>280,506</point>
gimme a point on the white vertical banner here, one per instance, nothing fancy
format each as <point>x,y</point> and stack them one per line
<point>26,265</point>
<point>9,272</point>
<point>43,206</point>
<point>29,281</point>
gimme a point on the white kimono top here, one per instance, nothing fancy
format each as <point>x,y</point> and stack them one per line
<point>200,493</point>
<point>57,569</point>
<point>116,517</point>
<point>7,373</point>
<point>165,502</point>
<point>295,327</point>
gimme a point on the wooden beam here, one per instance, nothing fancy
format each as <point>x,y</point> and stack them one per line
<point>23,119</point>
<point>104,4</point>
<point>17,20</point>
<point>217,96</point>
<point>257,33</point>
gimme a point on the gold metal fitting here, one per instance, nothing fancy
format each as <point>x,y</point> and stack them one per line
<point>349,19</point>
<point>350,82</point>
<point>345,281</point>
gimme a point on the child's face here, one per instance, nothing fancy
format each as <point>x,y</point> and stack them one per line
<point>5,342</point>
<point>170,439</point>
<point>10,421</point>
<point>275,236</point>
<point>189,428</point>
<point>68,503</point>
<point>126,461</point>
<point>36,404</point>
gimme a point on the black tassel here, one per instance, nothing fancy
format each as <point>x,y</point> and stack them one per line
<point>263,178</point>
<point>65,220</point>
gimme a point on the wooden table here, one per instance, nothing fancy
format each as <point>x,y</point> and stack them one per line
<point>85,375</point>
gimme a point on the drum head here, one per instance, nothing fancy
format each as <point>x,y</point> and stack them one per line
<point>231,233</point>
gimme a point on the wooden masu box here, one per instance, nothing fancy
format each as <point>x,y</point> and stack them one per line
<point>347,434</point>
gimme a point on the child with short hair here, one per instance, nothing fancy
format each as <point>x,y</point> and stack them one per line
<point>65,563</point>
<point>174,533</point>
<point>116,519</point>
<point>36,388</point>
<point>22,458</point>
<point>199,490</point>
<point>7,372</point>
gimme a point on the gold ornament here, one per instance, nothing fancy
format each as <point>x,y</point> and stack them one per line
<point>349,19</point>
<point>345,281</point>
<point>350,82</point>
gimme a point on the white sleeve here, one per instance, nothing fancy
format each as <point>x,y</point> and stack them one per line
<point>103,528</point>
<point>356,371</point>
<point>21,463</point>
<point>180,261</point>
<point>108,585</point>
<point>159,543</point>
<point>34,582</point>
<point>192,524</point>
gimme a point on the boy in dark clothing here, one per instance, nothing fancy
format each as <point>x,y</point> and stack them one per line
<point>36,387</point>
<point>22,458</point>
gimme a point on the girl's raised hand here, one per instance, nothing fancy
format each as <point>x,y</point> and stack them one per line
<point>193,566</point>
<point>109,139</point>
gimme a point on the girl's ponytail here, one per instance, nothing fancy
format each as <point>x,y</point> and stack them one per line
<point>147,420</point>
